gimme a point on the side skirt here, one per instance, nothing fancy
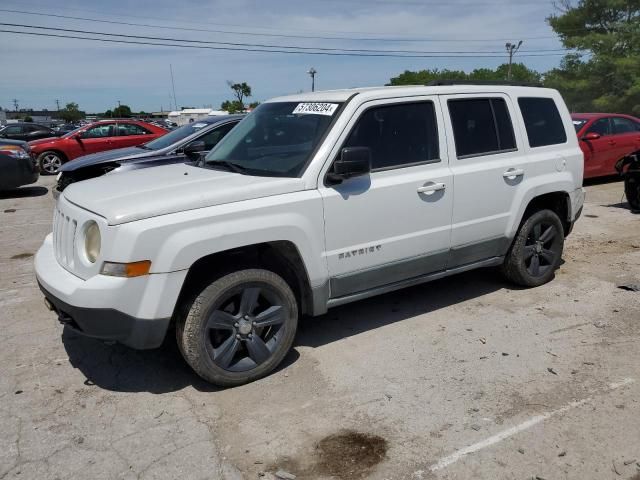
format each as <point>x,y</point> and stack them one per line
<point>491,262</point>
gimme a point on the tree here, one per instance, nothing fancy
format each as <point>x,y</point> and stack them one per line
<point>28,119</point>
<point>254,105</point>
<point>71,113</point>
<point>519,72</point>
<point>122,111</point>
<point>602,75</point>
<point>240,90</point>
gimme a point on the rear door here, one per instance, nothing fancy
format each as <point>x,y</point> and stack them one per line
<point>131,134</point>
<point>393,224</point>
<point>626,134</point>
<point>489,165</point>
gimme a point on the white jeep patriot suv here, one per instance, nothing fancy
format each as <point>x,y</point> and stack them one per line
<point>312,201</point>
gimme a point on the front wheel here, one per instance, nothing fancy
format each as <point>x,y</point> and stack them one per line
<point>239,328</point>
<point>49,162</point>
<point>536,251</point>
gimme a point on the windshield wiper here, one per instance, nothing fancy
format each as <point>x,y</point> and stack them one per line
<point>233,167</point>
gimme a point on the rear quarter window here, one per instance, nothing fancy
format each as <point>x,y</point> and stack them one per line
<point>542,121</point>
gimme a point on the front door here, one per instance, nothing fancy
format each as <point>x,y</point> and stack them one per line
<point>601,151</point>
<point>97,139</point>
<point>393,224</point>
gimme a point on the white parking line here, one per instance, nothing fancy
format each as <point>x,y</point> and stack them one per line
<point>454,457</point>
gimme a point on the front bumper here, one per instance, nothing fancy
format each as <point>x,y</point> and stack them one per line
<point>17,172</point>
<point>133,311</point>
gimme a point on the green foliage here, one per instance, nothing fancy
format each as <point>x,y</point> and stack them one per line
<point>71,113</point>
<point>122,111</point>
<point>28,119</point>
<point>605,73</point>
<point>232,106</point>
<point>519,72</point>
<point>253,105</point>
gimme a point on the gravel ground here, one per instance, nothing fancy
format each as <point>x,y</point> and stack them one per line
<point>462,378</point>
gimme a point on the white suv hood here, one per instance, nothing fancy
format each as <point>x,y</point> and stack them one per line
<point>150,192</point>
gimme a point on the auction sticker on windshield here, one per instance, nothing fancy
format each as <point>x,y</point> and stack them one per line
<point>315,109</point>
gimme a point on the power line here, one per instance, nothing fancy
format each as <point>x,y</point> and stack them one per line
<point>261,45</point>
<point>282,35</point>
<point>239,49</point>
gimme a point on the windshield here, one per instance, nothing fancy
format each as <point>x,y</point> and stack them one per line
<point>578,123</point>
<point>277,139</point>
<point>175,135</point>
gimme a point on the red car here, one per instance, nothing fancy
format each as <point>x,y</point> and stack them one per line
<point>605,138</point>
<point>95,137</point>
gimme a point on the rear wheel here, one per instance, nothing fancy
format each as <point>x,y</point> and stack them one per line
<point>49,162</point>
<point>536,251</point>
<point>239,328</point>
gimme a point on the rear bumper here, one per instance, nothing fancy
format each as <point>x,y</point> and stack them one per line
<point>576,199</point>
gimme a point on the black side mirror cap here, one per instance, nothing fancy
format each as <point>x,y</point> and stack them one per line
<point>194,148</point>
<point>353,162</point>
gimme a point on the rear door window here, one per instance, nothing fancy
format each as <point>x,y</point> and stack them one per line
<point>623,125</point>
<point>128,129</point>
<point>481,126</point>
<point>542,121</point>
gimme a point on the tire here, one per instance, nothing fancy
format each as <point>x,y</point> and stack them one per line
<point>50,162</point>
<point>221,337</point>
<point>536,251</point>
<point>632,190</point>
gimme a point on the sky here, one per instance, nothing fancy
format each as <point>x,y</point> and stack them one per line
<point>38,70</point>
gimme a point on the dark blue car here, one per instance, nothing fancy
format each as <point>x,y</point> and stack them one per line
<point>180,145</point>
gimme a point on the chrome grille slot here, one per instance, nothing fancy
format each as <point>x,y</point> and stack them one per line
<point>64,238</point>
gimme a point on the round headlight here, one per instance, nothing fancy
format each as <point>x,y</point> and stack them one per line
<point>92,241</point>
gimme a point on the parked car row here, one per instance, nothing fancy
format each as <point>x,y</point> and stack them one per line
<point>95,137</point>
<point>183,144</point>
<point>125,144</point>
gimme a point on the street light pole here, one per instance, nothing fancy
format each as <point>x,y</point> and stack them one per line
<point>512,48</point>
<point>312,71</point>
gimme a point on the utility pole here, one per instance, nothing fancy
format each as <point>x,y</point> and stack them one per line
<point>173,86</point>
<point>58,104</point>
<point>312,71</point>
<point>15,103</point>
<point>512,49</point>
<point>118,103</point>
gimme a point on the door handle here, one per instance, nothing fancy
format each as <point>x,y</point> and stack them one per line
<point>432,188</point>
<point>513,173</point>
<point>612,142</point>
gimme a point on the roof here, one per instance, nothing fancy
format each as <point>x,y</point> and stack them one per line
<point>587,116</point>
<point>408,90</point>
<point>219,119</point>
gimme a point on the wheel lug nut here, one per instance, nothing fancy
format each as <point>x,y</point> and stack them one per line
<point>236,325</point>
<point>238,336</point>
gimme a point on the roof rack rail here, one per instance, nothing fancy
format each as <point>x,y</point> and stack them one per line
<point>441,83</point>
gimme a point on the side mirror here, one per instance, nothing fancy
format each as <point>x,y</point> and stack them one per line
<point>591,136</point>
<point>353,162</point>
<point>194,148</point>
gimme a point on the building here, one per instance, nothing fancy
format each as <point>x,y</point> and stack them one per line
<point>42,117</point>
